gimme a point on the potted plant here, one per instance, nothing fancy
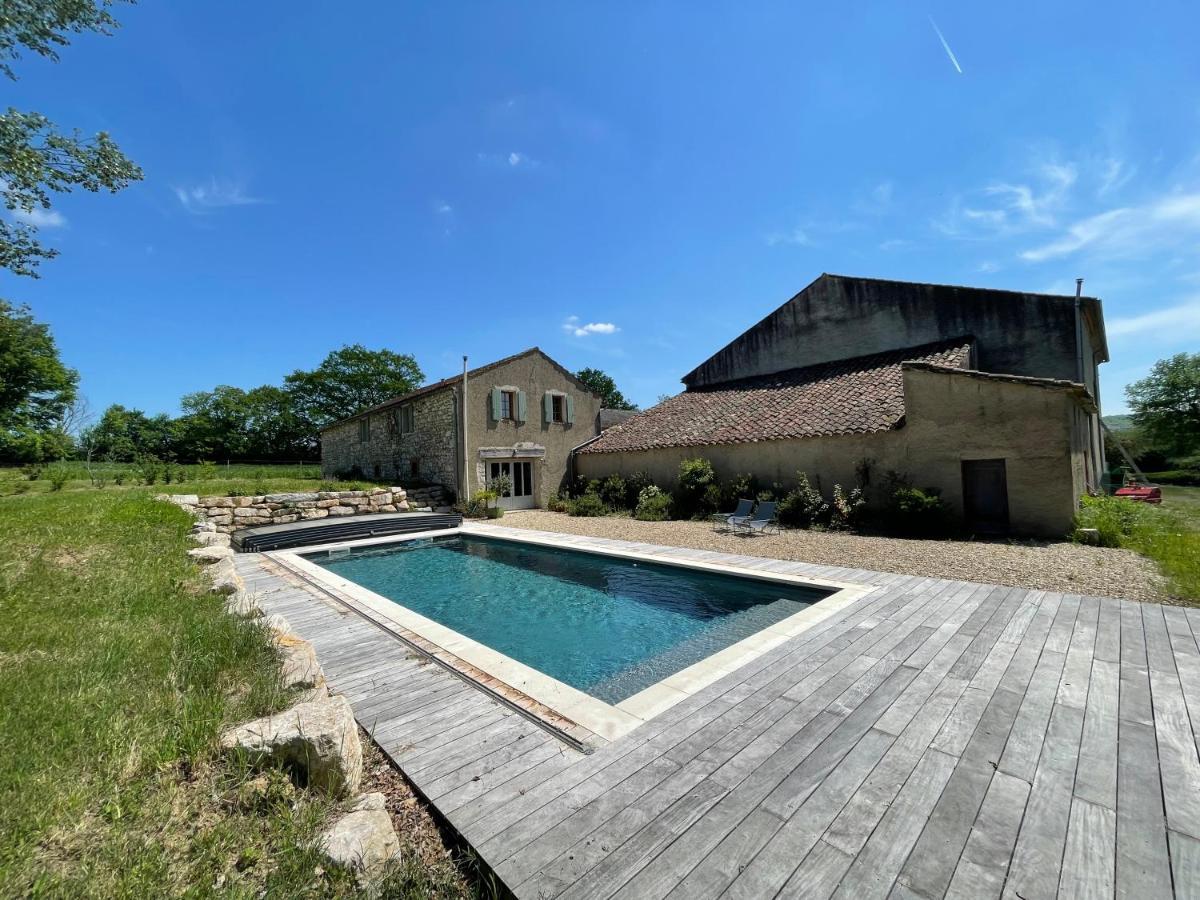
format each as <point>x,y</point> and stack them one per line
<point>501,486</point>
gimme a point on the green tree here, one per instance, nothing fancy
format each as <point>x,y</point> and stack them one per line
<point>36,389</point>
<point>35,157</point>
<point>349,380</point>
<point>125,434</point>
<point>602,384</point>
<point>1166,403</point>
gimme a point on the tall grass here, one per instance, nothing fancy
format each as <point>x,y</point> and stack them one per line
<point>1169,535</point>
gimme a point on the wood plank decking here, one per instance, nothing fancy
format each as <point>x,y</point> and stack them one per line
<point>933,739</point>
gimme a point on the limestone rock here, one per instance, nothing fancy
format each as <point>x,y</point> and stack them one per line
<point>224,577</point>
<point>363,840</point>
<point>317,742</point>
<point>211,538</point>
<point>206,556</point>
<point>244,604</point>
<point>184,499</point>
<point>279,624</point>
<point>342,511</point>
<point>300,666</point>
<point>199,528</point>
<point>291,497</point>
<point>217,502</point>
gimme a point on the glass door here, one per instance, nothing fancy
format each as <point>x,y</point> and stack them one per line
<point>519,473</point>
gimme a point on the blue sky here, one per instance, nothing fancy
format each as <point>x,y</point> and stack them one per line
<point>628,186</point>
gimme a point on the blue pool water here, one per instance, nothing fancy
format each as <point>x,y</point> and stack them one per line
<point>607,626</point>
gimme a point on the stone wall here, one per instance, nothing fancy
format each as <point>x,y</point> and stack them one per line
<point>427,453</point>
<point>233,513</point>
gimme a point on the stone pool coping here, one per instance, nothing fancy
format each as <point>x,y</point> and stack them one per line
<point>605,720</point>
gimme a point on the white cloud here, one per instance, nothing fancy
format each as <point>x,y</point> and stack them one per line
<point>573,327</point>
<point>1128,231</point>
<point>895,244</point>
<point>1114,175</point>
<point>514,159</point>
<point>40,218</point>
<point>797,237</point>
<point>214,194</point>
<point>988,266</point>
<point>1179,321</point>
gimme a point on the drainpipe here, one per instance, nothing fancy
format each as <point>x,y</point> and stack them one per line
<point>1092,470</point>
<point>466,454</point>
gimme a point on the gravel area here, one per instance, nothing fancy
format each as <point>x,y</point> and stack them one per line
<point>1061,566</point>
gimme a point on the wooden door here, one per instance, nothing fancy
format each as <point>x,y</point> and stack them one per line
<point>985,495</point>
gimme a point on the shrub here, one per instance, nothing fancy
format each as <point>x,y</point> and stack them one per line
<point>653,505</point>
<point>916,512</point>
<point>206,470</point>
<point>692,499</point>
<point>480,502</point>
<point>634,485</point>
<point>558,503</point>
<point>147,468</point>
<point>612,491</point>
<point>846,509</point>
<point>802,506</point>
<point>1181,477</point>
<point>58,476</point>
<point>32,471</point>
<point>588,506</point>
<point>738,487</point>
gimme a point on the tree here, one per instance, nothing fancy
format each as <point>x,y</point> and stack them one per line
<point>1166,403</point>
<point>350,380</point>
<point>36,389</point>
<point>599,383</point>
<point>36,158</point>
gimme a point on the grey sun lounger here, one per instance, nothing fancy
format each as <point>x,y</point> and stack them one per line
<point>763,518</point>
<point>735,518</point>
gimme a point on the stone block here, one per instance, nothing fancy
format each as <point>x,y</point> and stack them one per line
<point>316,742</point>
<point>328,502</point>
<point>243,604</point>
<point>362,840</point>
<point>307,514</point>
<point>342,510</point>
<point>223,577</point>
<point>210,538</point>
<point>217,502</point>
<point>292,497</point>
<point>207,556</point>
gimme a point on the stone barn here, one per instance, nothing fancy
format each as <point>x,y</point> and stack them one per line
<point>990,396</point>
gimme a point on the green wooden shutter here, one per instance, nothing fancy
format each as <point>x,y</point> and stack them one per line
<point>495,404</point>
<point>547,408</point>
<point>570,409</point>
<point>521,407</point>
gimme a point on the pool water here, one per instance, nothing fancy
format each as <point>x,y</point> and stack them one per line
<point>607,626</point>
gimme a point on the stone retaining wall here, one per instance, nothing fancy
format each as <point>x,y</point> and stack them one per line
<point>232,513</point>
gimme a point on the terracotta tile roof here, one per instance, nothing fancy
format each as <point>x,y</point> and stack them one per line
<point>850,396</point>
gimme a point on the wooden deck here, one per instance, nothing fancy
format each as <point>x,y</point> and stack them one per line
<point>935,738</point>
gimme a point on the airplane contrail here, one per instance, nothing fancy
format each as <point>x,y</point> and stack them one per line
<point>949,52</point>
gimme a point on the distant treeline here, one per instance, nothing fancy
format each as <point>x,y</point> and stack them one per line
<point>267,423</point>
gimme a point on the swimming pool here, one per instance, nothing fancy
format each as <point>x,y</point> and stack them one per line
<point>610,627</point>
<point>599,636</point>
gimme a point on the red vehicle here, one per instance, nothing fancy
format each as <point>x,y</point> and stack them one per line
<point>1142,493</point>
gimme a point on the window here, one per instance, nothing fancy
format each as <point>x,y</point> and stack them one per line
<point>414,467</point>
<point>405,419</point>
<point>558,408</point>
<point>508,404</point>
<point>364,429</point>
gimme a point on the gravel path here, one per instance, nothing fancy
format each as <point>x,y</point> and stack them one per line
<point>1064,567</point>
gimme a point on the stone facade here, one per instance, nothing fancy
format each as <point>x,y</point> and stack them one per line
<point>232,513</point>
<point>419,437</point>
<point>426,453</point>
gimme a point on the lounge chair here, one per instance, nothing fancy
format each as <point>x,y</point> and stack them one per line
<point>763,519</point>
<point>735,518</point>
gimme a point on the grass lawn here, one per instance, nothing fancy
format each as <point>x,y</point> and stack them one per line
<point>117,673</point>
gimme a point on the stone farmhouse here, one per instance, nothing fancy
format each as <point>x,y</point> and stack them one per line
<point>990,396</point>
<point>519,417</point>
